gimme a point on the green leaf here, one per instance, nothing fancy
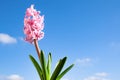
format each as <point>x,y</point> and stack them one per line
<point>49,65</point>
<point>64,72</point>
<point>58,68</point>
<point>38,68</point>
<point>44,67</point>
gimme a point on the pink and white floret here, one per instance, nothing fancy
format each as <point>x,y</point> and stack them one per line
<point>33,24</point>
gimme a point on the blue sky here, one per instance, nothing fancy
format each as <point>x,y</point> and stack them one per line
<point>86,31</point>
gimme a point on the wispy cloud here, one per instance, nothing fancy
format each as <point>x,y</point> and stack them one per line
<point>65,79</point>
<point>95,78</point>
<point>11,77</point>
<point>92,78</point>
<point>84,61</point>
<point>98,76</point>
<point>6,39</point>
<point>115,44</point>
<point>114,47</point>
<point>102,74</point>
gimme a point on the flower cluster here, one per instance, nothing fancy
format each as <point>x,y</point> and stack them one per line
<point>33,24</point>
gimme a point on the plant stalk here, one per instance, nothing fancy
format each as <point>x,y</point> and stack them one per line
<point>37,47</point>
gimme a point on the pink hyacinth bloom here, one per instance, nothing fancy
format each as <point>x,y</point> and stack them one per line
<point>33,24</point>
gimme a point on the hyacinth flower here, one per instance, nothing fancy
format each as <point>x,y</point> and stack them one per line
<point>33,26</point>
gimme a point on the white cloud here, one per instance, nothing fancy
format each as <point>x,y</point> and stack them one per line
<point>92,78</point>
<point>95,78</point>
<point>11,77</point>
<point>98,76</point>
<point>102,74</point>
<point>113,44</point>
<point>14,77</point>
<point>64,79</point>
<point>84,61</point>
<point>7,39</point>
